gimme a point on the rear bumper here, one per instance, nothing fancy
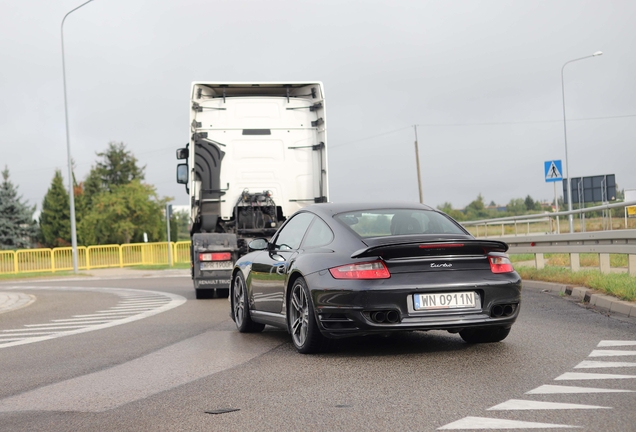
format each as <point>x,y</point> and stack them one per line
<point>346,308</point>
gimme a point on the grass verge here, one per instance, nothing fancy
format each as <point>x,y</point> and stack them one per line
<point>619,285</point>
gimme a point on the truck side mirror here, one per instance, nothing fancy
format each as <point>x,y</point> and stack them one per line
<point>183,153</point>
<point>182,173</point>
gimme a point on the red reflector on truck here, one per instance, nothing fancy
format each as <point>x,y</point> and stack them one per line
<point>368,270</point>
<point>500,264</point>
<point>215,256</point>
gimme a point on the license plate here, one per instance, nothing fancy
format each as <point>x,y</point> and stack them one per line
<point>444,300</point>
<point>217,265</point>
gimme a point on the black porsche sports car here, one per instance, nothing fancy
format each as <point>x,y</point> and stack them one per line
<point>338,270</point>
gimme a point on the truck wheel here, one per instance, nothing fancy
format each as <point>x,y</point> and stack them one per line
<point>240,307</point>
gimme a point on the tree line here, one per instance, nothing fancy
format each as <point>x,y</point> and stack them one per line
<point>113,205</point>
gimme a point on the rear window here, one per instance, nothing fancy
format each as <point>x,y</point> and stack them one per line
<point>392,222</point>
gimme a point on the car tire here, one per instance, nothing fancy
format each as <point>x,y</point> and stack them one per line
<point>240,307</point>
<point>485,335</point>
<point>301,321</point>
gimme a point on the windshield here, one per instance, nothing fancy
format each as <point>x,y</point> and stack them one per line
<point>392,222</point>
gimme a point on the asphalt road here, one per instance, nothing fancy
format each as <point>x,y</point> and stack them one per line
<point>143,355</point>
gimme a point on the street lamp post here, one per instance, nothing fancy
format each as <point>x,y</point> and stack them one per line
<point>417,163</point>
<point>68,148</point>
<point>565,134</point>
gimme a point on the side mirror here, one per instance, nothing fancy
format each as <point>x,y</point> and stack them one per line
<point>258,244</point>
<point>182,174</point>
<point>183,153</point>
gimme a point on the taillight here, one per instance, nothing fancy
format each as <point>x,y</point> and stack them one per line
<point>215,256</point>
<point>367,270</point>
<point>499,264</point>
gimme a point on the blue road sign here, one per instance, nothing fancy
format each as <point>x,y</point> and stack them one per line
<point>553,171</point>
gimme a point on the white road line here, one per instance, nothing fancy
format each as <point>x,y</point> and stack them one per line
<point>611,353</point>
<point>103,314</point>
<point>520,404</point>
<point>590,376</point>
<point>615,343</point>
<point>79,320</point>
<point>85,321</point>
<point>492,423</point>
<point>119,317</point>
<point>602,364</point>
<point>40,326</point>
<point>122,309</point>
<point>557,389</point>
<point>43,328</point>
<point>138,302</point>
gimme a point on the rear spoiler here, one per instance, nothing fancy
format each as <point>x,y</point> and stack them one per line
<point>433,246</point>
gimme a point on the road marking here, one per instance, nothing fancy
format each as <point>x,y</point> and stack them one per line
<point>31,333</point>
<point>611,353</point>
<point>590,376</point>
<point>167,368</point>
<point>557,389</point>
<point>520,404</point>
<point>615,343</point>
<point>492,423</point>
<point>587,364</point>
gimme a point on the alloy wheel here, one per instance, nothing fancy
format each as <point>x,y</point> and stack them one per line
<point>299,315</point>
<point>239,300</point>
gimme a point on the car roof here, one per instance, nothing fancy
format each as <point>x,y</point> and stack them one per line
<point>330,209</point>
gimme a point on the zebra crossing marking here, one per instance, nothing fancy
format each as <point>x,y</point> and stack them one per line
<point>471,423</point>
<point>493,423</point>
<point>615,343</point>
<point>558,389</point>
<point>520,404</point>
<point>590,376</point>
<point>611,353</point>
<point>587,364</point>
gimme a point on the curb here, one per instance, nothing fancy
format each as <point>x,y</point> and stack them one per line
<point>602,302</point>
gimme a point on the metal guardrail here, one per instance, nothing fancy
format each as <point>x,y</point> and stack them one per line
<point>603,243</point>
<point>92,257</point>
<point>552,217</point>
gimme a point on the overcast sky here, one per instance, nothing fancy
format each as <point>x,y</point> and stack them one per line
<point>482,79</point>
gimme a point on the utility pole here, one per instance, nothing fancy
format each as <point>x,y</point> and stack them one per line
<point>417,163</point>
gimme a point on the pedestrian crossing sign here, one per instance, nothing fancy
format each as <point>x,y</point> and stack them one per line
<point>553,171</point>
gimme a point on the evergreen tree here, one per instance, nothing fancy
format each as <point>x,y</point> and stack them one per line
<point>117,167</point>
<point>55,219</point>
<point>17,227</point>
<point>529,202</point>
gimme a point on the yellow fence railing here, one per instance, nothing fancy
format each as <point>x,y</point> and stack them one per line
<point>93,257</point>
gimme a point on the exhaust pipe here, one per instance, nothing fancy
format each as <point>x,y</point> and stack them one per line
<point>508,310</point>
<point>497,311</point>
<point>378,316</point>
<point>392,316</point>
